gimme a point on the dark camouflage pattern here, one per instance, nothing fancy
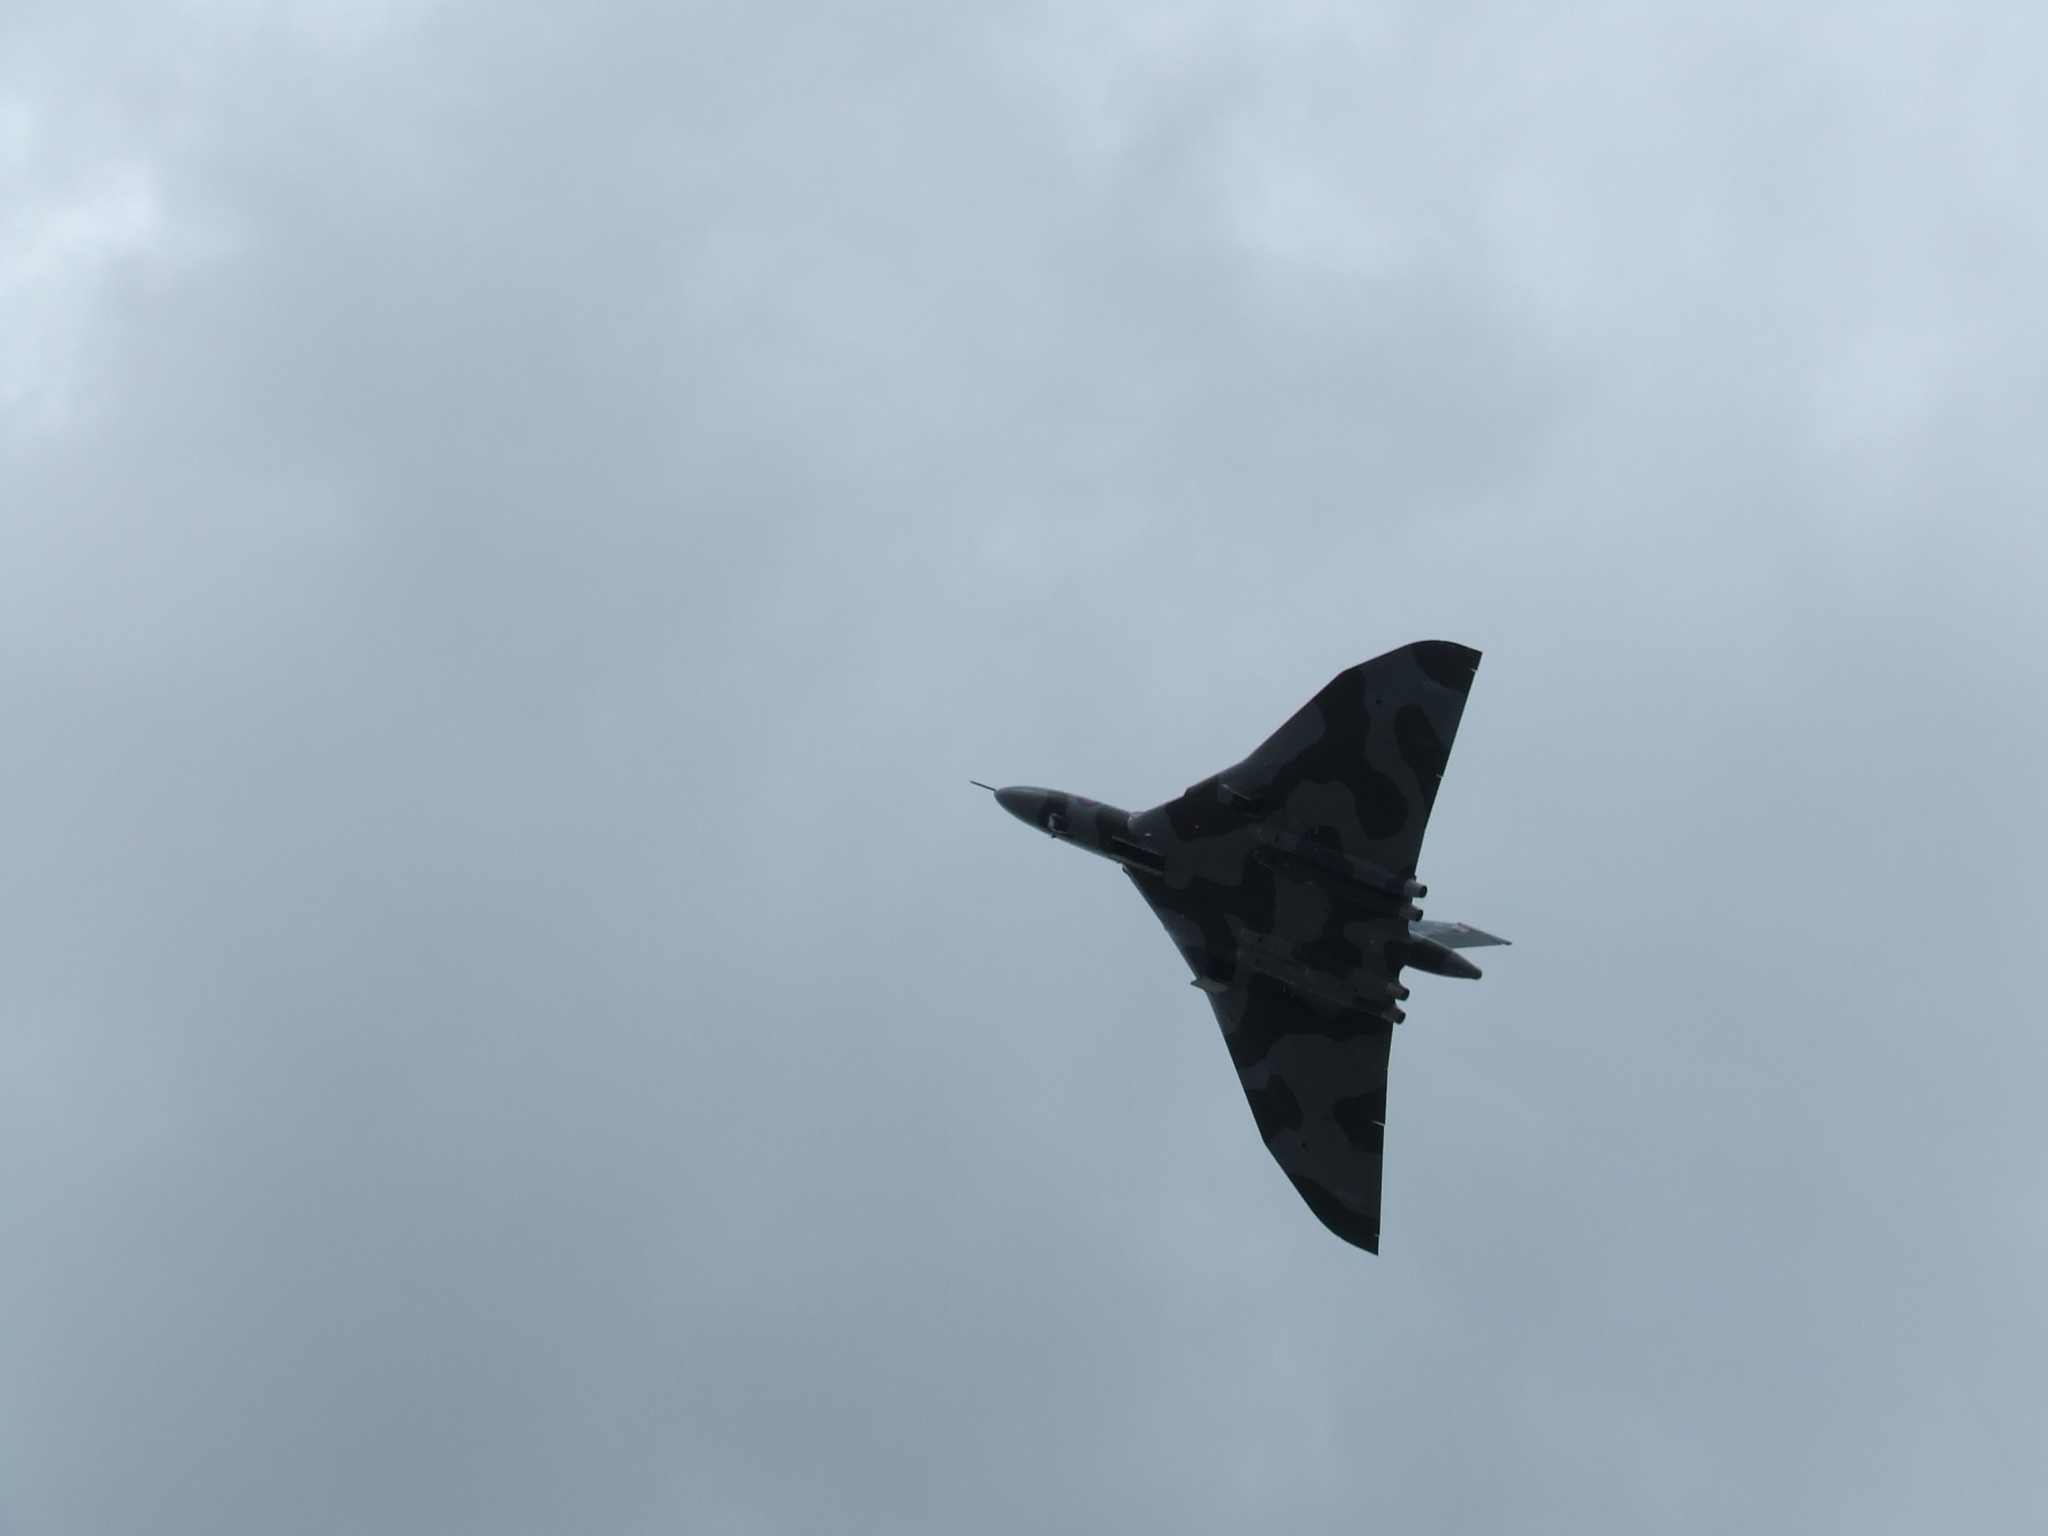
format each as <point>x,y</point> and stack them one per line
<point>1288,882</point>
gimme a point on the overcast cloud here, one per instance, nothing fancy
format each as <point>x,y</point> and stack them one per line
<point>520,521</point>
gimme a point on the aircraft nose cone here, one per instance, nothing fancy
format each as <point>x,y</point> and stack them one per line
<point>1024,803</point>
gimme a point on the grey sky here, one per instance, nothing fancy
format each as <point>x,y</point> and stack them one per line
<point>520,522</point>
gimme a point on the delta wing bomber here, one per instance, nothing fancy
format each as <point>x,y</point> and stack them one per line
<point>1288,881</point>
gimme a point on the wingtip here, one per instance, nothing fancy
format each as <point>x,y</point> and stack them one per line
<point>1447,663</point>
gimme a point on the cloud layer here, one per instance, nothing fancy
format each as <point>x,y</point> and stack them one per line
<point>520,523</point>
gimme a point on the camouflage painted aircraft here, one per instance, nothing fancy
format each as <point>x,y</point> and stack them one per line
<point>1289,884</point>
